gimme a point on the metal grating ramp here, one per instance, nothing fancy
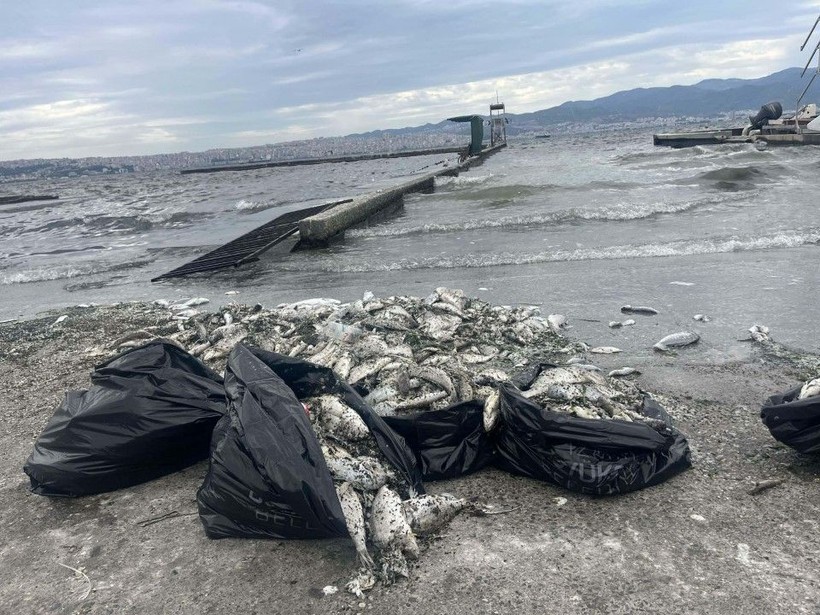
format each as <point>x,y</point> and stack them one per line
<point>249,246</point>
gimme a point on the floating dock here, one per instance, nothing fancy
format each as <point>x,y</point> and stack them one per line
<point>248,247</point>
<point>247,166</point>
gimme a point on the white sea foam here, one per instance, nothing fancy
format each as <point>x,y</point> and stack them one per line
<point>618,212</point>
<point>42,274</point>
<point>248,205</point>
<point>716,245</point>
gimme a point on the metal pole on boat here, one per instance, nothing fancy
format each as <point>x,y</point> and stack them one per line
<point>797,129</point>
<point>816,21</point>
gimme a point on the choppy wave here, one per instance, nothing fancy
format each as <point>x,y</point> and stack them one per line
<point>716,245</point>
<point>64,272</point>
<point>617,212</point>
<point>733,174</point>
<point>461,180</point>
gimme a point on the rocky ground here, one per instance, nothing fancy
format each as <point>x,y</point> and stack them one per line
<point>699,543</point>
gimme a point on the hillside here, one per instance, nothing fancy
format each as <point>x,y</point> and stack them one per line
<point>708,98</point>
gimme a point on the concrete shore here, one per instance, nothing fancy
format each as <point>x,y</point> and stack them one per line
<point>699,543</point>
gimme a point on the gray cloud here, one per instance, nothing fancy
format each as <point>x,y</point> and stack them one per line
<point>95,78</point>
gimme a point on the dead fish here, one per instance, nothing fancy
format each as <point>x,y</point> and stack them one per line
<point>623,371</point>
<point>810,389</point>
<point>185,314</point>
<point>639,309</point>
<point>421,402</point>
<point>628,322</point>
<point>492,408</point>
<point>605,350</point>
<point>676,340</point>
<point>701,318</point>
<point>363,473</point>
<point>199,349</point>
<point>491,376</point>
<point>588,367</point>
<point>615,324</point>
<point>453,297</point>
<point>448,308</point>
<point>354,520</point>
<point>388,525</point>
<point>435,376</point>
<point>201,331</point>
<point>339,419</point>
<point>142,334</point>
<point>557,322</point>
<point>342,332</point>
<point>365,370</point>
<point>343,365</point>
<point>759,333</point>
<point>428,513</point>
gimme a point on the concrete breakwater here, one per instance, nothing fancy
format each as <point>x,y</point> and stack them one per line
<point>318,230</point>
<point>247,166</point>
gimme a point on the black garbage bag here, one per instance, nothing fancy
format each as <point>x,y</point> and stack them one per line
<point>267,477</point>
<point>448,443</point>
<point>592,456</point>
<point>792,421</point>
<point>149,412</point>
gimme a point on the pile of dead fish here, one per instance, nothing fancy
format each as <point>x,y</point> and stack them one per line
<point>371,496</point>
<point>410,354</point>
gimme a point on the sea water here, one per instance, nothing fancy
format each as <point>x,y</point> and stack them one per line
<point>576,224</point>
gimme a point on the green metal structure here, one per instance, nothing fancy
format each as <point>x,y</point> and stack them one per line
<point>477,130</point>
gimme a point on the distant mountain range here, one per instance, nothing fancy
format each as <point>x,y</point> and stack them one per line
<point>705,99</point>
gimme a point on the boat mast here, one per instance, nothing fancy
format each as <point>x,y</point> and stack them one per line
<point>813,77</point>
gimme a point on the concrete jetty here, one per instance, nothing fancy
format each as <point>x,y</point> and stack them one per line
<point>318,230</point>
<point>265,164</point>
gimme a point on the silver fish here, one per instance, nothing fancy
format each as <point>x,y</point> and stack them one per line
<point>422,401</point>
<point>639,309</point>
<point>428,513</point>
<point>676,340</point>
<point>453,297</point>
<point>557,322</point>
<point>339,419</point>
<point>810,389</point>
<point>360,372</point>
<point>605,350</point>
<point>354,520</point>
<point>492,407</point>
<point>388,525</point>
<point>435,376</point>
<point>623,371</point>
<point>759,333</point>
<point>343,365</point>
<point>363,473</point>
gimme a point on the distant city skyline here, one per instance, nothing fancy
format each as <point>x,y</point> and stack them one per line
<point>105,79</point>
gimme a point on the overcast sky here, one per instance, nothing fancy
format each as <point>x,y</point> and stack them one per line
<point>92,78</point>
